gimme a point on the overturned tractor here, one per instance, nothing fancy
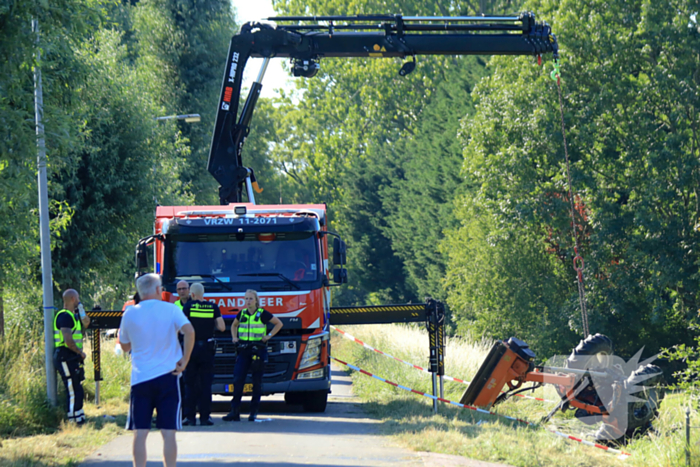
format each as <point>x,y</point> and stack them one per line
<point>600,387</point>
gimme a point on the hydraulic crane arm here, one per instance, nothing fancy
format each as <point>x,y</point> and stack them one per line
<point>350,36</point>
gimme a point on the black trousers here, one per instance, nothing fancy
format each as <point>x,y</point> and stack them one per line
<point>70,367</point>
<point>240,371</point>
<point>198,378</point>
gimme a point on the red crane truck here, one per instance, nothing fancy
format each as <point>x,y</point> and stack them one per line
<point>282,251</point>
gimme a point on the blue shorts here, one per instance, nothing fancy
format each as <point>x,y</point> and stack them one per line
<point>161,393</point>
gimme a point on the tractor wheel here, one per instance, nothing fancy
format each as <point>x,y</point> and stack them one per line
<point>649,380</point>
<point>646,382</point>
<point>590,353</point>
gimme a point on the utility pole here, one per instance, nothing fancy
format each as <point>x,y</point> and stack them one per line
<point>45,234</point>
<point>2,314</point>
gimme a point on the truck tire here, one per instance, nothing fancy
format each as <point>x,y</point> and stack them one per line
<point>587,353</point>
<point>315,401</point>
<point>650,380</point>
<point>293,398</point>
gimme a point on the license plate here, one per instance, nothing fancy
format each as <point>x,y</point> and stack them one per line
<point>247,388</point>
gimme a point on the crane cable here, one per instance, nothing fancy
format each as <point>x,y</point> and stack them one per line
<point>578,259</point>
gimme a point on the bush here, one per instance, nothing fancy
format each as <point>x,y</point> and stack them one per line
<point>24,408</point>
<point>688,379</point>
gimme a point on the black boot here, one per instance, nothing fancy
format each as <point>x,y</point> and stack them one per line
<point>251,417</point>
<point>189,422</point>
<point>233,416</point>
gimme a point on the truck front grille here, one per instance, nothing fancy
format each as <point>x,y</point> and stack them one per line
<point>223,368</point>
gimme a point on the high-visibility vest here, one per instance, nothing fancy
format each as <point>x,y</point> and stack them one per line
<point>179,304</point>
<point>251,327</point>
<point>76,331</point>
<point>202,310</point>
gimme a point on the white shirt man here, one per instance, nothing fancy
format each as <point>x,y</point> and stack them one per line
<point>149,330</point>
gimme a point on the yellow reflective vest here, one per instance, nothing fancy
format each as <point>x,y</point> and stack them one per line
<point>251,327</point>
<point>77,332</point>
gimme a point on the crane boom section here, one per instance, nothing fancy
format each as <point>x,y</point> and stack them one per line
<point>305,44</point>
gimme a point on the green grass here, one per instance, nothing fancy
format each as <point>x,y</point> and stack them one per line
<point>31,431</point>
<point>23,407</point>
<point>68,445</point>
<point>410,420</point>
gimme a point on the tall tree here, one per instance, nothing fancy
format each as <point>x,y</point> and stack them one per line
<point>419,201</point>
<point>630,91</point>
<point>62,25</point>
<point>125,160</point>
<point>189,40</point>
<point>349,139</point>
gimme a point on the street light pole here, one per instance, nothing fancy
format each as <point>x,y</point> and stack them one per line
<point>188,118</point>
<point>44,232</point>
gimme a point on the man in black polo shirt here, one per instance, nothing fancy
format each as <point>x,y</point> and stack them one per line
<point>204,316</point>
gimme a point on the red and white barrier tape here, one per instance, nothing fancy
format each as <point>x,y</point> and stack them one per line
<point>450,378</point>
<point>476,409</point>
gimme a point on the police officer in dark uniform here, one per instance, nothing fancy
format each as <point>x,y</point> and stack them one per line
<point>250,328</point>
<point>68,353</point>
<point>199,374</point>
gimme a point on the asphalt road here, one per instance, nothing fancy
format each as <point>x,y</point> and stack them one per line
<point>342,436</point>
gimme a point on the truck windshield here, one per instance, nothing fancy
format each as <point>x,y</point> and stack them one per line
<point>274,259</point>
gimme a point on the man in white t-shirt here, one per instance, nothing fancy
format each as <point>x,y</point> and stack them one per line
<point>149,330</point>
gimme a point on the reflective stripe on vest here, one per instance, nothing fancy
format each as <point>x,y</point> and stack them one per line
<point>201,311</point>
<point>179,304</point>
<point>251,327</point>
<point>76,331</point>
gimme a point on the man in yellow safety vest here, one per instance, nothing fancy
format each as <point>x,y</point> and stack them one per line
<point>68,354</point>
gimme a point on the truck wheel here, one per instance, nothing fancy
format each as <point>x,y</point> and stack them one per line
<point>315,401</point>
<point>649,380</point>
<point>590,353</point>
<point>293,398</point>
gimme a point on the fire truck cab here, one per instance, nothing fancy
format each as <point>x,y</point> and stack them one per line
<point>280,251</point>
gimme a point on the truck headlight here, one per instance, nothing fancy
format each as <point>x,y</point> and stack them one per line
<point>312,354</point>
<point>313,374</point>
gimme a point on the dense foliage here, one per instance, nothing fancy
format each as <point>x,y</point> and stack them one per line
<point>630,88</point>
<point>448,182</point>
<point>108,70</point>
<point>495,238</point>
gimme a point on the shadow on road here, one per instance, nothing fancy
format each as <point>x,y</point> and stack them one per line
<point>211,462</point>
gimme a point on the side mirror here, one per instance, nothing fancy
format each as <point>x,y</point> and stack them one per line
<point>340,276</point>
<point>339,252</point>
<point>141,257</point>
